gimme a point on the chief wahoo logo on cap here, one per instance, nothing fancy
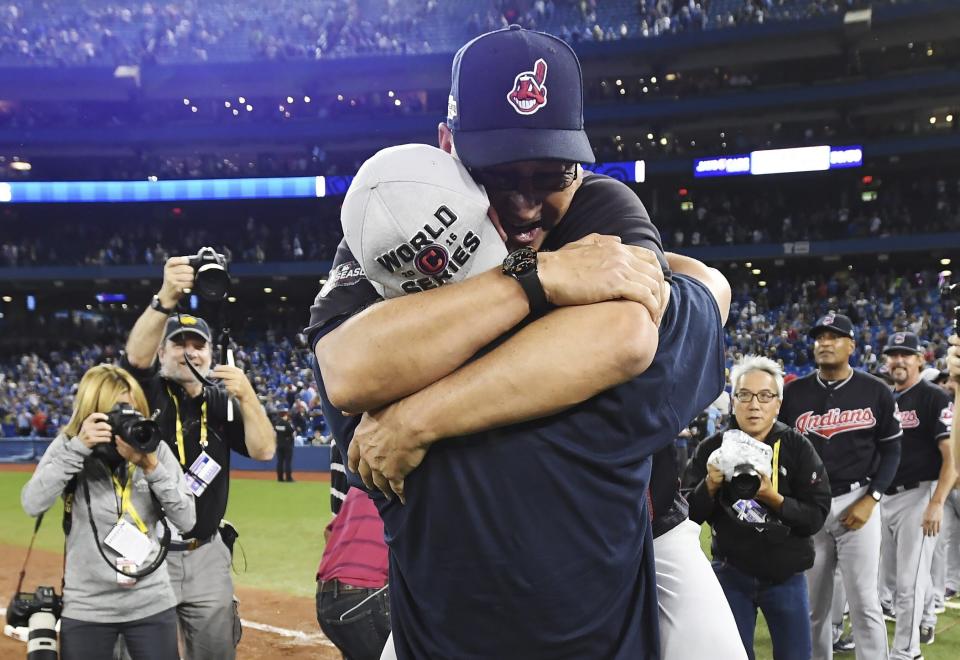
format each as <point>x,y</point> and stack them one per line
<point>529,94</point>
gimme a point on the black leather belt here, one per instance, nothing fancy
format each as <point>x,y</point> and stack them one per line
<point>893,490</point>
<point>337,585</point>
<point>192,544</point>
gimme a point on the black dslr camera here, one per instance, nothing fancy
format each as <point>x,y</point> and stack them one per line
<point>141,433</point>
<point>210,278</point>
<point>38,611</point>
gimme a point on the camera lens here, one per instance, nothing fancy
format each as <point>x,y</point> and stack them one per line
<point>143,435</point>
<point>745,482</point>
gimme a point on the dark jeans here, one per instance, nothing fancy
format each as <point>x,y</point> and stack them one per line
<point>363,629</point>
<point>785,605</point>
<point>284,463</point>
<point>152,638</point>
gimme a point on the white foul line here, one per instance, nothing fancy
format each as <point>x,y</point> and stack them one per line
<point>299,635</point>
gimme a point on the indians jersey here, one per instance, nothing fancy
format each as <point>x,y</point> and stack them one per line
<point>845,421</point>
<point>926,413</point>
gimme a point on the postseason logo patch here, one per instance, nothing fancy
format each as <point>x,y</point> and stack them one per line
<point>346,274</point>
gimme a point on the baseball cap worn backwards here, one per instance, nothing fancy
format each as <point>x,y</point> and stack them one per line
<point>415,219</point>
<point>517,95</point>
<point>185,323</point>
<point>836,322</point>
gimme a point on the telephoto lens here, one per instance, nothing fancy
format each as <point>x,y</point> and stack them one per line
<point>139,432</point>
<point>42,641</point>
<point>210,280</point>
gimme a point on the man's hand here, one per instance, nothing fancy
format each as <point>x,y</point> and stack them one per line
<point>599,268</point>
<point>236,382</point>
<point>953,357</point>
<point>932,518</point>
<point>768,495</point>
<point>177,280</point>
<point>385,449</point>
<point>714,479</point>
<point>859,513</point>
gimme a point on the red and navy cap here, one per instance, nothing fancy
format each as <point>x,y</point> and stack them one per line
<point>517,95</point>
<point>903,342</point>
<point>836,322</point>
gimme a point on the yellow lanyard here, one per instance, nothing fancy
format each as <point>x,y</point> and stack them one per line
<point>126,504</point>
<point>203,427</point>
<point>776,466</point>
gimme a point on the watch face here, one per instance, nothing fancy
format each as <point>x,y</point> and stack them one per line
<point>520,262</point>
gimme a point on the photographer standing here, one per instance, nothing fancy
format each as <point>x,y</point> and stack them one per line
<point>762,544</point>
<point>114,489</point>
<point>194,421</point>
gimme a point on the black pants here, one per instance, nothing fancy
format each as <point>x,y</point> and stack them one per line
<point>152,638</point>
<point>284,463</point>
<point>365,624</point>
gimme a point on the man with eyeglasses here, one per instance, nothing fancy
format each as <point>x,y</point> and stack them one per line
<point>762,546</point>
<point>912,510</point>
<point>852,421</point>
<point>525,532</point>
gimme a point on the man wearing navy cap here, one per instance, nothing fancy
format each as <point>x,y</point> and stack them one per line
<point>851,419</point>
<point>912,510</point>
<point>195,421</point>
<point>526,530</point>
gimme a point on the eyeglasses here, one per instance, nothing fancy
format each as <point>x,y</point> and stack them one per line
<point>547,181</point>
<point>763,396</point>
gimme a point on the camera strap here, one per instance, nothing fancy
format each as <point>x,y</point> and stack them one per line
<point>775,479</point>
<point>164,541</point>
<point>125,504</point>
<point>179,426</point>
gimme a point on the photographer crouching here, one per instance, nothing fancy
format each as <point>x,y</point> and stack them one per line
<point>202,421</point>
<point>763,489</point>
<point>110,460</point>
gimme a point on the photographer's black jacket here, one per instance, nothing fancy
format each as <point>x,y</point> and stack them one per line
<point>805,488</point>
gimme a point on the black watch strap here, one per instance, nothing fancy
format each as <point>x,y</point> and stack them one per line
<point>532,286</point>
<point>156,305</point>
<point>521,265</point>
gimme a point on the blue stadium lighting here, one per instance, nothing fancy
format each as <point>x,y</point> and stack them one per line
<point>185,190</point>
<point>49,192</point>
<point>780,161</point>
<point>111,297</point>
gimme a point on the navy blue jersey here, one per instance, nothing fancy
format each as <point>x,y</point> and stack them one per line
<point>845,421</point>
<point>926,413</point>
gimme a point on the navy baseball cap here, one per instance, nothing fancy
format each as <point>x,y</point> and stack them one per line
<point>182,323</point>
<point>836,322</point>
<point>517,95</point>
<point>903,342</point>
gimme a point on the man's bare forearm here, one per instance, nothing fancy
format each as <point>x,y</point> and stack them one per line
<point>400,346</point>
<point>258,433</point>
<point>554,363</point>
<point>948,473</point>
<point>145,338</point>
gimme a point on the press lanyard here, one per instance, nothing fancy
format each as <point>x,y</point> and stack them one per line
<point>179,430</point>
<point>776,466</point>
<point>126,504</point>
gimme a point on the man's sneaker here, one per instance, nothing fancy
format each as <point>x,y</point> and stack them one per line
<point>888,612</point>
<point>949,594</point>
<point>927,635</point>
<point>844,645</point>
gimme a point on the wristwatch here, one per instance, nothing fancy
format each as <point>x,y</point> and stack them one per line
<point>876,495</point>
<point>155,304</point>
<point>521,265</point>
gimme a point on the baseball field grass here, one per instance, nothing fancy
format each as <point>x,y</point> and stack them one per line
<point>281,535</point>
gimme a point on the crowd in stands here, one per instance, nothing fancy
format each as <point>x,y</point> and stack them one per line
<point>104,32</point>
<point>36,389</point>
